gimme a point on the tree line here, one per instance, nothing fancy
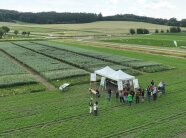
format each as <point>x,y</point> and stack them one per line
<point>146,31</point>
<point>4,30</point>
<point>57,18</point>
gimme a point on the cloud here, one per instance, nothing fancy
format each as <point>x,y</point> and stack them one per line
<point>162,4</point>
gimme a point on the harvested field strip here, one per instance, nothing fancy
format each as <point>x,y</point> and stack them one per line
<point>34,73</point>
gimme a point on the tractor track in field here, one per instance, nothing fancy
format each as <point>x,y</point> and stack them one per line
<point>31,71</point>
<point>147,125</point>
<point>181,53</point>
<point>81,116</point>
<point>13,118</point>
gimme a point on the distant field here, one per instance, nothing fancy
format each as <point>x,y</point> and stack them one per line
<point>95,28</point>
<point>165,40</point>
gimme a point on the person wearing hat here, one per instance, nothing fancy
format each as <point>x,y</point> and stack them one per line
<point>91,105</point>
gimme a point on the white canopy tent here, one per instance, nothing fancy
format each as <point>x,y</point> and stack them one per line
<point>121,76</point>
<point>105,72</point>
<point>118,76</point>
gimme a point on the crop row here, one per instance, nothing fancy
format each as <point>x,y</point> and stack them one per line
<point>47,67</point>
<point>121,60</point>
<point>76,107</point>
<point>12,74</point>
<point>81,61</point>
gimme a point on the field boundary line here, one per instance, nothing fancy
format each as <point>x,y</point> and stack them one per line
<point>31,71</point>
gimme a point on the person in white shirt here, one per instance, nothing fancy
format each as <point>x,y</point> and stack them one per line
<point>91,105</point>
<point>96,108</point>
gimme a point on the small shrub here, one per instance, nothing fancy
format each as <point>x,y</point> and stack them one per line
<point>162,31</point>
<point>156,31</point>
<point>175,29</point>
<point>140,31</point>
<point>132,31</point>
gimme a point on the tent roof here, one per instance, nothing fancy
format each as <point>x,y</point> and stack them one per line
<point>120,75</point>
<point>105,72</point>
<point>114,75</point>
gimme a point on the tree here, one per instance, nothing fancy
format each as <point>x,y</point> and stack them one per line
<point>132,31</point>
<point>183,23</point>
<point>175,29</point>
<point>162,31</point>
<point>28,33</point>
<point>100,17</point>
<point>16,32</point>
<point>24,33</point>
<point>146,31</point>
<point>173,22</point>
<point>179,29</point>
<point>139,31</point>
<point>6,29</point>
<point>156,31</point>
<point>1,33</point>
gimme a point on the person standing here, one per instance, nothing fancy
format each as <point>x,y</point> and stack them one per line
<point>142,95</point>
<point>154,92</point>
<point>132,93</point>
<point>137,96</point>
<point>91,106</point>
<point>121,97</point>
<point>163,88</point>
<point>96,108</point>
<point>97,93</point>
<point>152,83</point>
<point>148,93</point>
<point>109,94</point>
<point>117,96</point>
<point>130,99</point>
<point>125,96</point>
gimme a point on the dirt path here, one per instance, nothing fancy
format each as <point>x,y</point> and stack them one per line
<point>38,78</point>
<point>139,48</point>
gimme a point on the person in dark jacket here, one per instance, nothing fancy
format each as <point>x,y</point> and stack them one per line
<point>117,96</point>
<point>109,94</point>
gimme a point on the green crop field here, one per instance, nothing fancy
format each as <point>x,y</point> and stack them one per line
<point>29,109</point>
<point>163,40</point>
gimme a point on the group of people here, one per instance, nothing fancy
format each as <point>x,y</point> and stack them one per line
<point>93,107</point>
<point>128,94</point>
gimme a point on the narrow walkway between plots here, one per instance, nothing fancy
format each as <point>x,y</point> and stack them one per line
<point>38,78</point>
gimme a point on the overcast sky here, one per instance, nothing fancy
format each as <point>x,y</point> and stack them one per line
<point>151,8</point>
